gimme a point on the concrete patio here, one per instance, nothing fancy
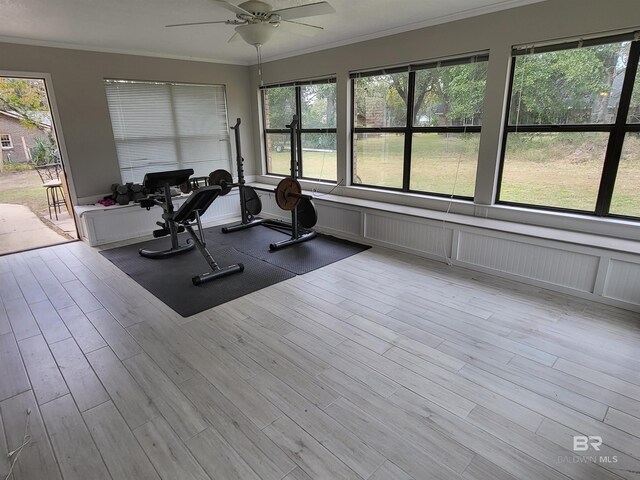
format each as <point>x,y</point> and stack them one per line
<point>21,229</point>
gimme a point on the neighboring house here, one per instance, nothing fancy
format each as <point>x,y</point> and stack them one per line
<point>16,139</point>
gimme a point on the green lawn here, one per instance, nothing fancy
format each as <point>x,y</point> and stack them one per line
<point>317,165</point>
<point>561,170</point>
<point>23,188</point>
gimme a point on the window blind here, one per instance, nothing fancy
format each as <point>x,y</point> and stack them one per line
<point>168,126</point>
<point>297,83</point>
<point>420,66</point>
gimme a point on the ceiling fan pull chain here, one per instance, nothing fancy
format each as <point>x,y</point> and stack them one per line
<point>259,52</point>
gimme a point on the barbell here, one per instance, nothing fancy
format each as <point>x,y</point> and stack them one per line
<point>289,193</point>
<point>217,177</point>
<point>224,179</point>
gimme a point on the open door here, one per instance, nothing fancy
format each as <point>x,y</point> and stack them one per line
<point>35,206</point>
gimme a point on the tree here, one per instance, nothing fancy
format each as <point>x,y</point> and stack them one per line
<point>451,95</point>
<point>279,106</point>
<point>568,86</point>
<point>318,108</point>
<point>26,98</point>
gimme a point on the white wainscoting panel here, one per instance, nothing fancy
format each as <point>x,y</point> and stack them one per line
<point>339,219</point>
<point>553,265</point>
<point>623,281</point>
<point>399,230</point>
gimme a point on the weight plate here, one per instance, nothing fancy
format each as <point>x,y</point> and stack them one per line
<point>253,204</point>
<point>287,193</point>
<point>307,213</point>
<point>223,178</point>
<point>185,187</point>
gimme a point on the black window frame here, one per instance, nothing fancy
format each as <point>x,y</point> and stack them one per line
<point>617,130</point>
<point>409,129</point>
<point>301,130</point>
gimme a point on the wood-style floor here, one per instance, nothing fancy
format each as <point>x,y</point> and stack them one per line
<point>381,366</point>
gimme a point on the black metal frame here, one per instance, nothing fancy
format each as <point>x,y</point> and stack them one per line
<point>617,130</point>
<point>299,131</point>
<point>409,129</point>
<point>247,220</point>
<point>298,234</point>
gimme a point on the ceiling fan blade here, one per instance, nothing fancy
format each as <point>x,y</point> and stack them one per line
<point>194,23</point>
<point>234,8</point>
<point>299,28</point>
<point>310,10</point>
<point>234,38</point>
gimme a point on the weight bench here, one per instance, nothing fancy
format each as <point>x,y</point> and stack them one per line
<point>185,218</point>
<point>188,216</point>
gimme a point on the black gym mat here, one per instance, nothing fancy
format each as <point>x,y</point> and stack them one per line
<point>169,279</point>
<point>299,259</point>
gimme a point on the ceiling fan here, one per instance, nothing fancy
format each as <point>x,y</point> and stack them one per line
<point>256,21</point>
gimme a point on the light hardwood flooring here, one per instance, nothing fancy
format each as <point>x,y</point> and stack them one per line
<point>382,366</point>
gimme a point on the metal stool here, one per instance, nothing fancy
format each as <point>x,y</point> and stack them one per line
<point>50,176</point>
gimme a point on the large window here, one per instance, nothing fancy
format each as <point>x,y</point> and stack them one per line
<point>168,126</point>
<point>315,105</point>
<point>572,136</point>
<point>417,128</point>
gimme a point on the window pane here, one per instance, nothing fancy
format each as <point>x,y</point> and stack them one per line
<point>279,106</point>
<point>278,153</point>
<point>435,159</point>
<point>578,86</point>
<point>625,199</point>
<point>634,107</point>
<point>451,95</point>
<point>380,101</point>
<point>378,159</point>
<point>553,169</point>
<point>318,104</point>
<point>319,158</point>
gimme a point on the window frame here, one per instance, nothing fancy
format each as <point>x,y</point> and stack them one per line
<point>409,129</point>
<point>8,136</point>
<point>300,131</point>
<point>616,130</point>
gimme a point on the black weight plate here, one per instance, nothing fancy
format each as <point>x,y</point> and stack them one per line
<point>223,178</point>
<point>252,202</point>
<point>185,187</point>
<point>307,213</point>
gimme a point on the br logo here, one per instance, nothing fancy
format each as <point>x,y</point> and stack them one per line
<point>582,443</point>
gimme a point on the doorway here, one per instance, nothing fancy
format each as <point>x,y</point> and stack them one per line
<point>35,205</point>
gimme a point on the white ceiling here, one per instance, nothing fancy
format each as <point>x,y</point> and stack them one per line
<point>138,26</point>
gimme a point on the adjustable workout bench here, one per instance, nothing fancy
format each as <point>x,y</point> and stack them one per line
<point>185,218</point>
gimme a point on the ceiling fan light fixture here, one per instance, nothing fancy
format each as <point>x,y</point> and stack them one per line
<point>256,33</point>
